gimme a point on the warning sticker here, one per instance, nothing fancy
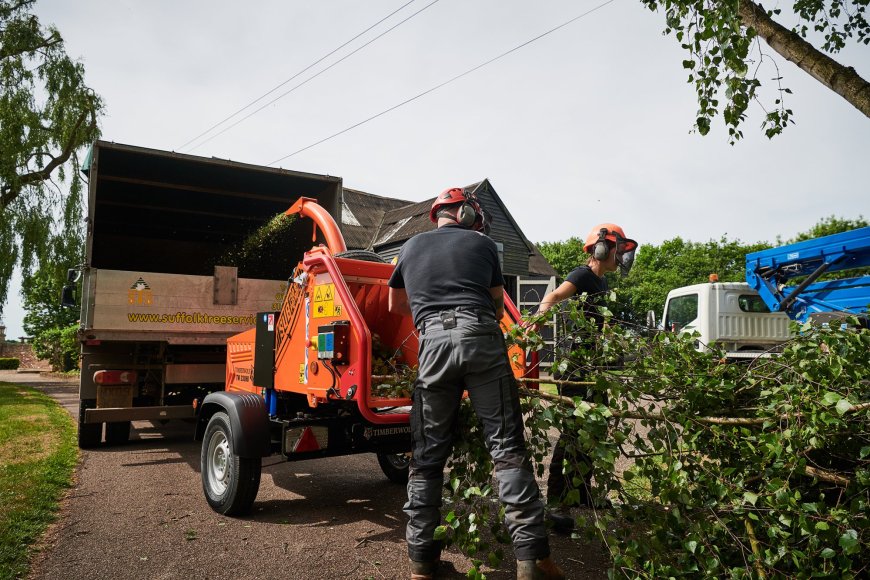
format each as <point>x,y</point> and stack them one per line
<point>324,301</point>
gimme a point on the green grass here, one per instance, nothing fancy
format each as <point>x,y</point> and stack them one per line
<point>549,388</point>
<point>38,454</point>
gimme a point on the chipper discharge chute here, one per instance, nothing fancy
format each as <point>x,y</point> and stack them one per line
<point>329,374</point>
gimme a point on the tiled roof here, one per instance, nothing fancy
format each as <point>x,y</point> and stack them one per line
<point>373,222</point>
<point>362,214</point>
<point>538,264</point>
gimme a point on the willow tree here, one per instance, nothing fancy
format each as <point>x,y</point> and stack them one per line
<point>47,116</point>
<point>726,60</point>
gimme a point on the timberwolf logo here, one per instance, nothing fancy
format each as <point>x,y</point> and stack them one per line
<point>140,293</point>
<point>370,432</point>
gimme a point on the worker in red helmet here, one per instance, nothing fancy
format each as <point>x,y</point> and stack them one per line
<point>470,213</point>
<point>449,279</point>
<point>609,250</point>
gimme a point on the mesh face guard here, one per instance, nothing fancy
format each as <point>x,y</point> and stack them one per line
<point>625,258</point>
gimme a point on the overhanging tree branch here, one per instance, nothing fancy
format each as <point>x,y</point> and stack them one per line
<point>843,80</point>
<point>9,195</point>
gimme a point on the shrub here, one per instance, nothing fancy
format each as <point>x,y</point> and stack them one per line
<point>9,364</point>
<point>59,346</point>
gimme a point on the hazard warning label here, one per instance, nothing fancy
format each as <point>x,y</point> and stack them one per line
<point>324,301</point>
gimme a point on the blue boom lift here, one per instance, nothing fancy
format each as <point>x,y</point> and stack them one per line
<point>770,271</point>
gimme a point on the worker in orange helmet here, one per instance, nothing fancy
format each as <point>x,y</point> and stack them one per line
<point>609,250</point>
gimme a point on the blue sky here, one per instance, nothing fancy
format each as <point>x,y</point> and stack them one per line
<point>589,124</point>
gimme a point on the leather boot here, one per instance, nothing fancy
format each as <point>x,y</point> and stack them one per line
<point>423,570</point>
<point>545,569</point>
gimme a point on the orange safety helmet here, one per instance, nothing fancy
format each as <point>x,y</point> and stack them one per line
<point>614,234</point>
<point>470,215</point>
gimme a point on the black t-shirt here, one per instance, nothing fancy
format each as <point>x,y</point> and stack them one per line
<point>595,287</point>
<point>450,267</point>
<point>586,281</point>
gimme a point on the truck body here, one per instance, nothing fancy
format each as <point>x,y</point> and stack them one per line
<point>162,288</point>
<point>301,383</point>
<point>729,315</point>
<point>790,278</point>
<point>782,284</point>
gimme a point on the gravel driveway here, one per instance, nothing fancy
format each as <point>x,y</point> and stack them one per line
<point>137,511</point>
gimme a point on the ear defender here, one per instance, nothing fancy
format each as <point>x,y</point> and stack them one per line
<point>600,250</point>
<point>466,216</point>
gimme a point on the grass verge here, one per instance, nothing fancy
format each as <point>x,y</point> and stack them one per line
<point>38,454</point>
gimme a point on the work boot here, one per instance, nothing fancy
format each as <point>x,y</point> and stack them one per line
<point>545,569</point>
<point>423,570</point>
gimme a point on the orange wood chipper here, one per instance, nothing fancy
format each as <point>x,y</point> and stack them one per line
<point>300,383</point>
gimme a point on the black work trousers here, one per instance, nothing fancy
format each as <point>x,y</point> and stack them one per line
<point>464,350</point>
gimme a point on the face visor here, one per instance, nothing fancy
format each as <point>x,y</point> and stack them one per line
<point>625,249</point>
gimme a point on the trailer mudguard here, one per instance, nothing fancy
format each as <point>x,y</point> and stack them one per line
<point>249,421</point>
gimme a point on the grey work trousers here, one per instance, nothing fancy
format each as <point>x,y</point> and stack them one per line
<point>469,356</point>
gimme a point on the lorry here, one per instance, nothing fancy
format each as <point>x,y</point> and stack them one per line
<point>730,315</point>
<point>162,288</point>
<point>749,319</point>
<point>300,384</point>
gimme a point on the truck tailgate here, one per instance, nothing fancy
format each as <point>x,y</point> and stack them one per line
<point>174,307</point>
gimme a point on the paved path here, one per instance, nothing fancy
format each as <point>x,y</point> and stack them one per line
<point>137,511</point>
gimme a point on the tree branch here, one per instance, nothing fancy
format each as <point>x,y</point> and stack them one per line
<point>10,194</point>
<point>843,80</point>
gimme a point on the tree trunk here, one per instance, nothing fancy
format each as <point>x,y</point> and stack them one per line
<point>843,80</point>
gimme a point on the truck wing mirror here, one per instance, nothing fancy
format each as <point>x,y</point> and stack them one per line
<point>650,319</point>
<point>73,275</point>
<point>68,295</point>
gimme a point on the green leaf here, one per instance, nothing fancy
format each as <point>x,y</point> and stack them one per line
<point>750,497</point>
<point>440,533</point>
<point>849,542</point>
<point>828,553</point>
<point>831,398</point>
<point>843,406</point>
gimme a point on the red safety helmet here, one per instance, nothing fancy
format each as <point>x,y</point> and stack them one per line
<point>473,217</point>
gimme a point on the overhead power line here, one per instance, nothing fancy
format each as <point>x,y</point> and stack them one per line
<point>447,82</point>
<point>311,78</point>
<point>313,64</point>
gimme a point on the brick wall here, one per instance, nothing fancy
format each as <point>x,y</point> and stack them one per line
<point>24,353</point>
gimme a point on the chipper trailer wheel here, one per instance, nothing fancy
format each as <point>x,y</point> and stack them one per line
<point>230,482</point>
<point>395,466</point>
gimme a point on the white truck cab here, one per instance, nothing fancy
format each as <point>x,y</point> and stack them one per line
<point>729,314</point>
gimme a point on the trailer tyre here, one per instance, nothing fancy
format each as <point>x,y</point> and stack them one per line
<point>395,466</point>
<point>230,482</point>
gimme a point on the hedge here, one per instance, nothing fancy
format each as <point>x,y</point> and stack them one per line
<point>9,364</point>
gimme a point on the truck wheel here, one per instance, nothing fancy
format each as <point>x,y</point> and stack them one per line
<point>230,482</point>
<point>117,432</point>
<point>89,433</point>
<point>395,466</point>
